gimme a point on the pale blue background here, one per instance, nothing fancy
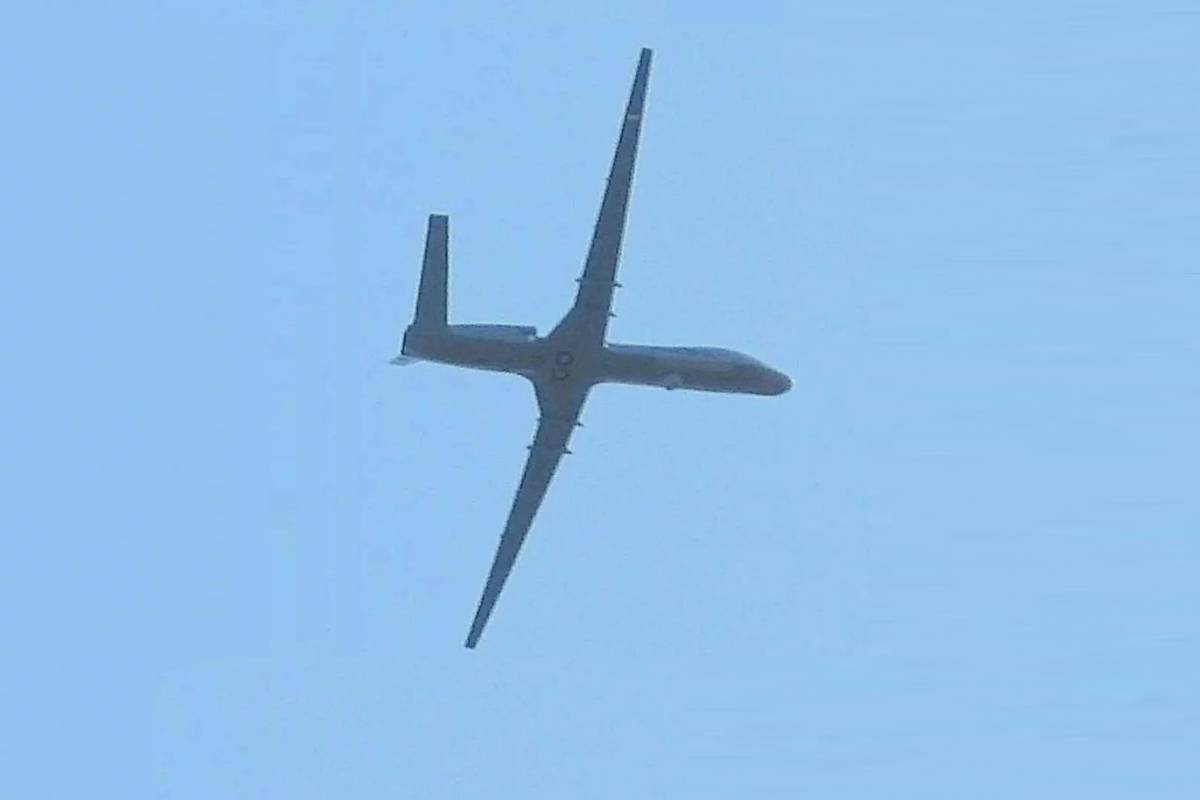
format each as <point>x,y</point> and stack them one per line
<point>959,560</point>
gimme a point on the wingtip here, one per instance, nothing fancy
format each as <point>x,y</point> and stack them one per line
<point>474,634</point>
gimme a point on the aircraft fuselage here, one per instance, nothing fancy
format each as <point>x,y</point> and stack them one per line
<point>519,350</point>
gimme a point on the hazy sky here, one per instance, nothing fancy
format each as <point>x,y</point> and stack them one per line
<point>958,560</point>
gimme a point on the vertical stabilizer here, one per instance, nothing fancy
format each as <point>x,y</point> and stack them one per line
<point>431,296</point>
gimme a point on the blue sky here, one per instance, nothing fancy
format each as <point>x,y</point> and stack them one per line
<point>957,560</point>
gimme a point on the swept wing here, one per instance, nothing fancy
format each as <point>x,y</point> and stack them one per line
<point>583,327</point>
<point>587,320</point>
<point>559,416</point>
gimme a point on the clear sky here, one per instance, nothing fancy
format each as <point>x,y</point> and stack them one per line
<point>958,560</point>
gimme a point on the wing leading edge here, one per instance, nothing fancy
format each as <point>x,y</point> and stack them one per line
<point>559,416</point>
<point>587,321</point>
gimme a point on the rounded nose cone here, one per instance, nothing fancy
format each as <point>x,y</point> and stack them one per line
<point>778,382</point>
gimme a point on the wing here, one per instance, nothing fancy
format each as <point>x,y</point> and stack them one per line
<point>587,321</point>
<point>559,416</point>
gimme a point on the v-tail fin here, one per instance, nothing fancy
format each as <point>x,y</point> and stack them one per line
<point>431,296</point>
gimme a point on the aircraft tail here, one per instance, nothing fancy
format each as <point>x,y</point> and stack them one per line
<point>431,296</point>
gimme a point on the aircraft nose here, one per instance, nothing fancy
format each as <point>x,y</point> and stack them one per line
<point>778,382</point>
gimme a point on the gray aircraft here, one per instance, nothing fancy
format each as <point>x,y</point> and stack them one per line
<point>573,357</point>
